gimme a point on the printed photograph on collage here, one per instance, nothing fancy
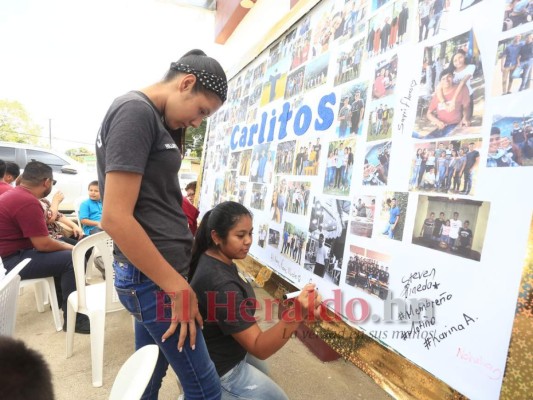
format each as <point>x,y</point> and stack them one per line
<point>451,225</point>
<point>446,166</point>
<point>327,236</point>
<point>513,65</point>
<point>452,95</point>
<point>368,270</point>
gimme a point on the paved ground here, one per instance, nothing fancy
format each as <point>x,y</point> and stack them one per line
<point>294,367</point>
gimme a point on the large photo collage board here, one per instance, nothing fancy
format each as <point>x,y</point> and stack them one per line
<point>385,151</point>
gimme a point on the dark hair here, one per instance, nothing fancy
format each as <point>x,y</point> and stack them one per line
<point>208,71</point>
<point>495,130</point>
<point>24,374</point>
<point>93,183</point>
<point>2,168</point>
<point>451,66</point>
<point>35,172</point>
<point>12,169</point>
<point>220,219</point>
<point>446,71</point>
<point>191,185</point>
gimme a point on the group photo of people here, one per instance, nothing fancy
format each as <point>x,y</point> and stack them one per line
<point>368,270</point>
<point>262,166</point>
<point>376,164</point>
<point>513,65</point>
<point>388,28</point>
<point>392,215</point>
<point>452,99</point>
<point>446,166</point>
<point>307,159</point>
<point>339,167</point>
<point>327,237</point>
<point>258,195</point>
<point>295,83</point>
<point>455,226</point>
<point>285,154</point>
<point>380,119</point>
<point>349,59</point>
<point>363,211</point>
<point>431,16</point>
<point>293,242</point>
<point>352,110</point>
<point>297,200</point>
<point>316,72</point>
<point>511,140</point>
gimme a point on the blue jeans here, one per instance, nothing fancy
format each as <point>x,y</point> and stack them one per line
<point>194,368</point>
<point>526,74</point>
<point>389,231</point>
<point>249,380</point>
<point>437,133</point>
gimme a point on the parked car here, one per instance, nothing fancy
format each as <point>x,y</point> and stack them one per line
<point>72,177</point>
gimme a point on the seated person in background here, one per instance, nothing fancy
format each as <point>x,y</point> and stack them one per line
<point>24,373</point>
<point>4,186</point>
<point>191,212</point>
<point>23,234</point>
<point>236,343</point>
<point>90,212</point>
<point>12,172</point>
<point>53,219</point>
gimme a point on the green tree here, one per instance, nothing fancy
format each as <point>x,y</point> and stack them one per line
<point>194,139</point>
<point>80,154</point>
<point>16,125</point>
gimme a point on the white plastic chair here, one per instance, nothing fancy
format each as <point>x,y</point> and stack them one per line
<point>9,290</point>
<point>94,301</point>
<point>135,373</point>
<point>91,271</point>
<point>45,293</point>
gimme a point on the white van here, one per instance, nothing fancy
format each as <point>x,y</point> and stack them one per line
<point>72,177</point>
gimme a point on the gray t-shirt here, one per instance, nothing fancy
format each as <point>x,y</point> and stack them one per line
<point>132,138</point>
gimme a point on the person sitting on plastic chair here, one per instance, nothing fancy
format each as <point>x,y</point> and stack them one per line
<point>24,234</point>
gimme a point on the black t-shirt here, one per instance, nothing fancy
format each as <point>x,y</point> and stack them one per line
<point>132,138</point>
<point>438,226</point>
<point>465,237</point>
<point>226,287</point>
<point>471,157</point>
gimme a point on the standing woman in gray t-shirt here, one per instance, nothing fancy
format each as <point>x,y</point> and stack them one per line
<point>138,163</point>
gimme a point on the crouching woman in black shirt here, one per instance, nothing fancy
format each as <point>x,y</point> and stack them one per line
<point>234,340</point>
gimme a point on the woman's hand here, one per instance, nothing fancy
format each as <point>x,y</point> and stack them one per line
<point>184,312</point>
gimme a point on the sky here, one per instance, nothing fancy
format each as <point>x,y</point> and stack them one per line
<point>66,60</point>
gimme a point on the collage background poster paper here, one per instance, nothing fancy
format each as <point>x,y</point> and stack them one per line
<point>347,133</point>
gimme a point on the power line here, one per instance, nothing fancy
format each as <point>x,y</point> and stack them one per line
<point>42,137</point>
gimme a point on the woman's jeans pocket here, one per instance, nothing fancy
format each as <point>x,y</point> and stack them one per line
<point>129,299</point>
